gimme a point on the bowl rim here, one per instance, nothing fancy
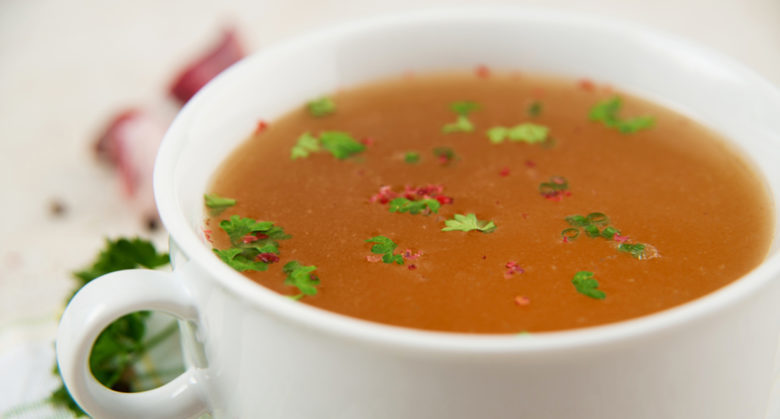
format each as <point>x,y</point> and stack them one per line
<point>399,338</point>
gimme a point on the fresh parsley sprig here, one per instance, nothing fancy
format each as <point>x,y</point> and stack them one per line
<point>119,347</point>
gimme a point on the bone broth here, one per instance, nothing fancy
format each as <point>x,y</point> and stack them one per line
<point>488,203</point>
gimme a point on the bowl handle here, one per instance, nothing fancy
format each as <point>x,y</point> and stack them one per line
<point>97,305</point>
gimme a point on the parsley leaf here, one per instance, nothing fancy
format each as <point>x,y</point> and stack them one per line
<point>301,277</point>
<point>468,222</point>
<point>119,347</point>
<point>606,112</point>
<point>527,133</point>
<point>534,109</point>
<point>321,107</point>
<point>306,145</point>
<point>445,155</point>
<point>385,246</point>
<point>462,124</point>
<point>238,228</point>
<point>216,204</point>
<point>585,284</point>
<point>414,207</point>
<point>411,157</point>
<point>255,244</point>
<point>591,225</point>
<point>340,144</point>
<point>464,107</point>
<point>123,254</point>
<point>636,250</point>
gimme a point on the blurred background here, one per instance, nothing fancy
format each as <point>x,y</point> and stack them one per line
<point>68,69</point>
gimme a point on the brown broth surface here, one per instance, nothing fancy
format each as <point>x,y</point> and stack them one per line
<point>676,186</point>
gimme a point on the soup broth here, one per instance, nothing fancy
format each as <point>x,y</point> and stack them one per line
<point>577,205</point>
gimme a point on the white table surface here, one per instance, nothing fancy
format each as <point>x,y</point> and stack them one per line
<point>67,67</point>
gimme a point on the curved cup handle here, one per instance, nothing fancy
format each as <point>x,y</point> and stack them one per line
<point>96,306</point>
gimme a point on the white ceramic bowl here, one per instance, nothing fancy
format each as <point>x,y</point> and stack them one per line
<point>252,353</point>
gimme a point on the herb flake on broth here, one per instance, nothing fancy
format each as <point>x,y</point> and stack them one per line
<point>606,112</point>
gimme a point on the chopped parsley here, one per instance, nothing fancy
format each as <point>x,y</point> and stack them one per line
<point>464,107</point>
<point>636,250</point>
<point>445,155</point>
<point>340,144</point>
<point>301,277</point>
<point>534,109</point>
<point>596,225</point>
<point>321,107</point>
<point>606,112</point>
<point>120,346</point>
<point>306,145</point>
<point>216,204</point>
<point>385,247</point>
<point>414,207</point>
<point>526,133</point>
<point>463,123</point>
<point>412,157</point>
<point>585,284</point>
<point>254,244</point>
<point>468,222</point>
<point>555,189</point>
<point>591,225</point>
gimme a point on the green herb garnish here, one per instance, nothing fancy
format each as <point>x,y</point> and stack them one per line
<point>411,157</point>
<point>121,345</point>
<point>554,189</point>
<point>301,277</point>
<point>606,112</point>
<point>306,145</point>
<point>534,109</point>
<point>255,244</point>
<point>527,133</point>
<point>340,144</point>
<point>462,124</point>
<point>585,284</point>
<point>591,225</point>
<point>468,222</point>
<point>216,204</point>
<point>385,247</point>
<point>321,107</point>
<point>414,207</point>
<point>464,107</point>
<point>445,155</point>
<point>570,233</point>
<point>636,250</point>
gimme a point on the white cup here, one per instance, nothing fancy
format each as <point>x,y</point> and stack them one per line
<point>254,354</point>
